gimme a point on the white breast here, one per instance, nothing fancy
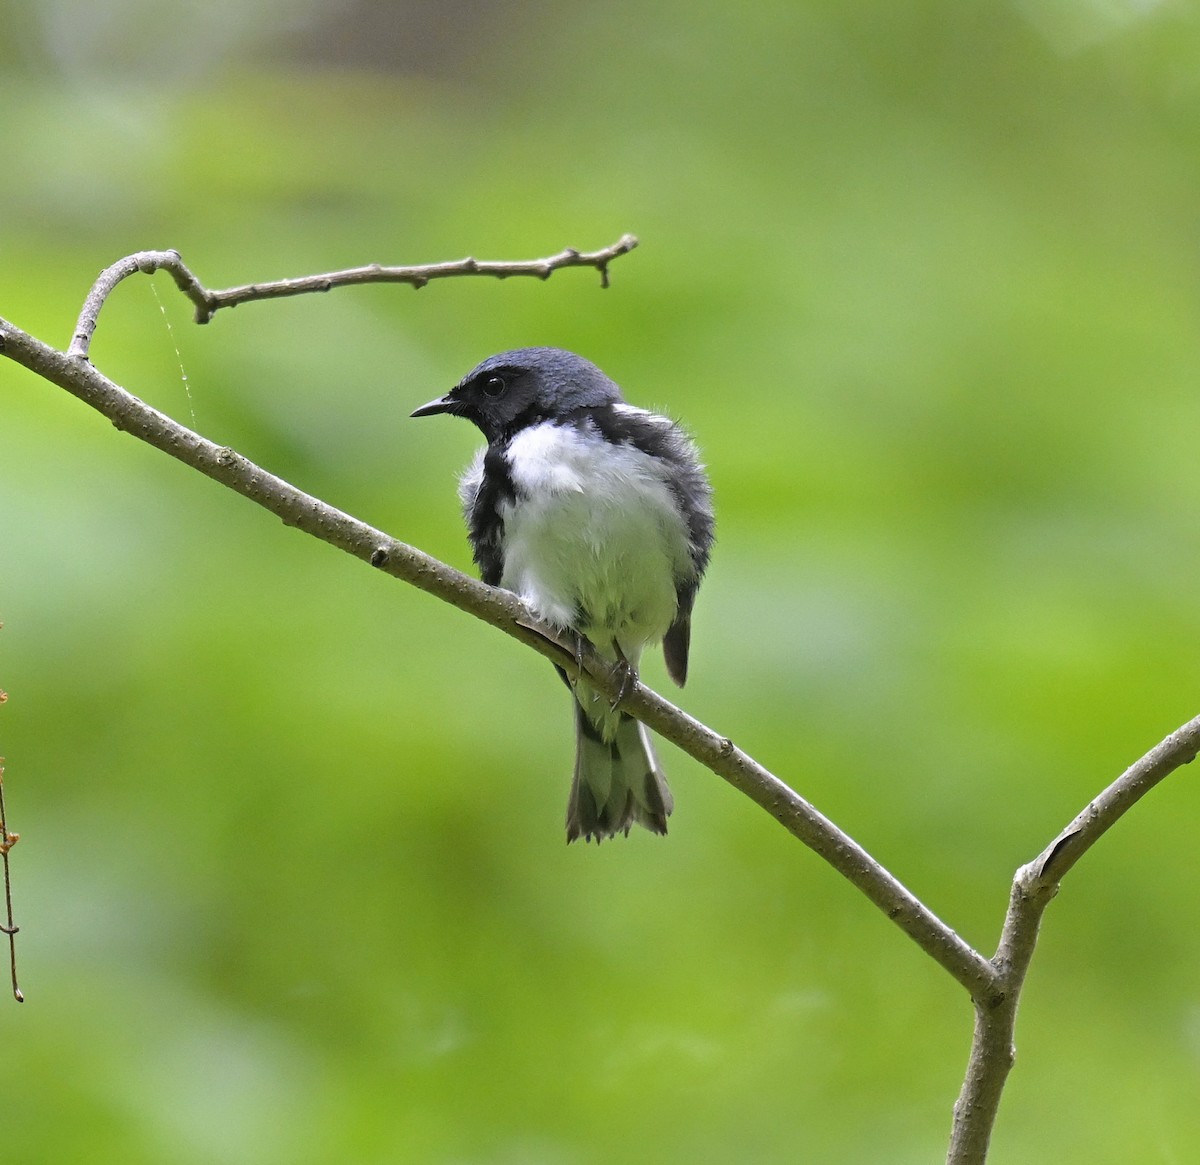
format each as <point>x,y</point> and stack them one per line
<point>594,539</point>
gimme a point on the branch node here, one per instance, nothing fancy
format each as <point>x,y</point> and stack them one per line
<point>1059,847</point>
<point>379,556</point>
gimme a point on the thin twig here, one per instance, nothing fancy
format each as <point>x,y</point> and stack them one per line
<point>7,841</point>
<point>503,610</point>
<point>1034,886</point>
<point>208,303</point>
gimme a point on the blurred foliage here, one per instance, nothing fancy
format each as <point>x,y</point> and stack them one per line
<point>923,281</point>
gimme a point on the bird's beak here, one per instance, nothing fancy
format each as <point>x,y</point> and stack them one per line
<point>443,404</point>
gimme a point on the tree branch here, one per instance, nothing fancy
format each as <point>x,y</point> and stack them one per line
<point>505,611</point>
<point>1034,886</point>
<point>208,303</point>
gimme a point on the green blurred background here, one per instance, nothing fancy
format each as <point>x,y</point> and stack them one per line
<point>924,281</point>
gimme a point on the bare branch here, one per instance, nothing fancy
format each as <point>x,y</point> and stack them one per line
<point>7,841</point>
<point>208,303</point>
<point>1050,867</point>
<point>142,263</point>
<point>504,611</point>
<point>1034,886</point>
<point>721,756</point>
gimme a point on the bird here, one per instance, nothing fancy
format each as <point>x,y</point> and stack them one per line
<point>599,516</point>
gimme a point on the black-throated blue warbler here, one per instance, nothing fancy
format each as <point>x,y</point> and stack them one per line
<point>599,516</point>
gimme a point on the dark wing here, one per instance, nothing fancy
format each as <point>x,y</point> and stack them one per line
<point>675,648</point>
<point>662,439</point>
<point>694,498</point>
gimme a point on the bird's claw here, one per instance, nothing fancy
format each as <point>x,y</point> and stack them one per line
<point>627,674</point>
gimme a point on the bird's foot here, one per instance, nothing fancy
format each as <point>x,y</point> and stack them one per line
<point>581,648</point>
<point>627,673</point>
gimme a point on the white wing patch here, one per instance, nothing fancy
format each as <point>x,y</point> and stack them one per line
<point>629,410</point>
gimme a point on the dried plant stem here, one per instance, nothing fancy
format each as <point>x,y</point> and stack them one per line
<point>7,841</point>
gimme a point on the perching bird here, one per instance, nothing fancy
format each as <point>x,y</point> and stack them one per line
<point>599,516</point>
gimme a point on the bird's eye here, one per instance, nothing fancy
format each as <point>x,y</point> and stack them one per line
<point>494,386</point>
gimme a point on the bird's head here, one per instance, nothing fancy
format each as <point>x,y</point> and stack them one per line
<point>514,389</point>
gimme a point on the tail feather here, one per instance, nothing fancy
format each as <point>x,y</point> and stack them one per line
<point>617,781</point>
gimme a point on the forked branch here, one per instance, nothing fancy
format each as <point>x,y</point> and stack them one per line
<point>1034,887</point>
